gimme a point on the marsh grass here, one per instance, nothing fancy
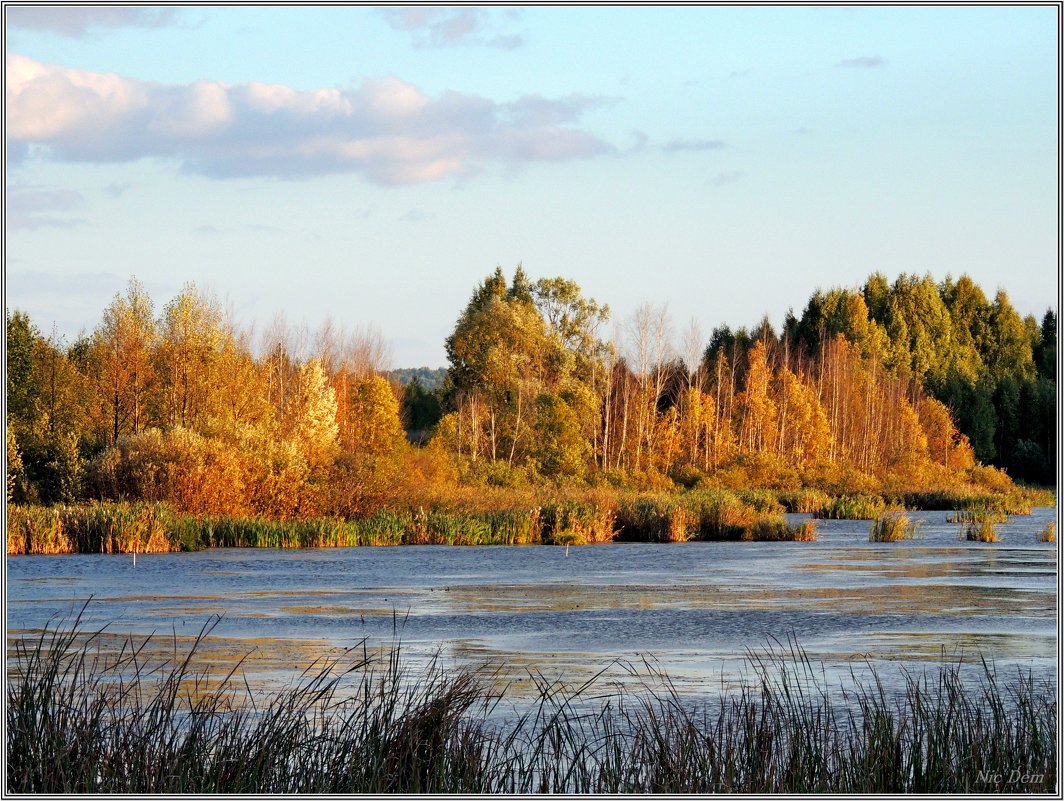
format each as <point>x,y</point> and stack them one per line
<point>806,531</point>
<point>804,501</point>
<point>980,529</point>
<point>894,527</point>
<point>978,516</point>
<point>90,528</point>
<point>705,515</point>
<point>1049,533</point>
<point>484,516</point>
<point>79,722</point>
<point>511,518</point>
<point>1018,501</point>
<point>853,507</point>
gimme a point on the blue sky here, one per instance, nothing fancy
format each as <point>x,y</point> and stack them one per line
<point>372,165</point>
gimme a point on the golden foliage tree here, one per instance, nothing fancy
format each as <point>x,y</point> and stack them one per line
<point>310,417</point>
<point>125,340</point>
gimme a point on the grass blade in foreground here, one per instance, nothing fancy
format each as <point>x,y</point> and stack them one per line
<point>81,722</point>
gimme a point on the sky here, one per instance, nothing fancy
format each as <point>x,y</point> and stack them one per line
<point>372,165</point>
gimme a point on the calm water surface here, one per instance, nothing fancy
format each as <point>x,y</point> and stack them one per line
<point>695,608</point>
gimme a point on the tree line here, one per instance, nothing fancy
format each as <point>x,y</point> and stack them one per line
<point>906,385</point>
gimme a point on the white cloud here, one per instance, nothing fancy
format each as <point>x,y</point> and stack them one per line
<point>386,129</point>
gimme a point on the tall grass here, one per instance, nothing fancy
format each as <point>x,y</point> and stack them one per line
<point>978,516</point>
<point>510,518</point>
<point>1049,533</point>
<point>853,507</point>
<point>704,515</point>
<point>78,722</point>
<point>893,527</point>
<point>1018,501</point>
<point>90,528</point>
<point>805,501</point>
<point>980,529</point>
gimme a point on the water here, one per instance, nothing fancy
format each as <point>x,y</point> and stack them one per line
<point>694,608</point>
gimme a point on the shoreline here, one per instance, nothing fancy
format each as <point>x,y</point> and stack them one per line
<point>563,519</point>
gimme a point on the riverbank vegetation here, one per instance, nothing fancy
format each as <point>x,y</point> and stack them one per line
<point>81,720</point>
<point>894,396</point>
<point>485,517</point>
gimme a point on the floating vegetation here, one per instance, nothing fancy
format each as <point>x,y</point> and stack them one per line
<point>82,721</point>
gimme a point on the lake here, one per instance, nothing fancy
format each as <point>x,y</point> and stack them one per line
<point>695,608</point>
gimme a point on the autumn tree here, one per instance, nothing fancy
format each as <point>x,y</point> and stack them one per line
<point>371,449</point>
<point>187,356</point>
<point>125,340</point>
<point>521,357</point>
<point>310,417</point>
<point>756,410</point>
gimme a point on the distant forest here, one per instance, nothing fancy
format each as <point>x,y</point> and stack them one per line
<point>909,384</point>
<point>429,378</point>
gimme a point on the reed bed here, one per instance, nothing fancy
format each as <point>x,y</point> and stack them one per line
<point>764,501</point>
<point>980,530</point>
<point>578,522</point>
<point>978,516</point>
<point>804,501</point>
<point>893,527</point>
<point>521,518</point>
<point>89,528</point>
<point>1049,533</point>
<point>704,515</point>
<point>853,507</point>
<point>1019,501</point>
<point>660,517</point>
<point>81,723</point>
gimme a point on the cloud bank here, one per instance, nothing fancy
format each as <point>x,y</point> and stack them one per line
<point>41,207</point>
<point>77,21</point>
<point>434,27</point>
<point>386,129</point>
